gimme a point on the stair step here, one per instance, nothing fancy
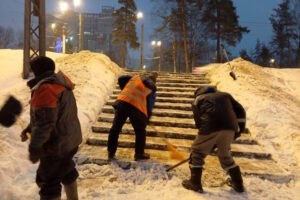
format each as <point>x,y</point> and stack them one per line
<point>191,77</point>
<point>167,132</point>
<point>176,84</point>
<point>164,94</point>
<point>158,112</point>
<point>178,89</point>
<point>158,121</point>
<point>168,74</point>
<point>164,105</point>
<point>164,99</point>
<point>265,169</point>
<point>162,132</point>
<point>128,141</point>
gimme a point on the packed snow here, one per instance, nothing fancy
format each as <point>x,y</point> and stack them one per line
<point>271,98</point>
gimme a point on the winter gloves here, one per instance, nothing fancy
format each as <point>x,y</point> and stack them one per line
<point>34,154</point>
<point>11,109</point>
<point>24,135</point>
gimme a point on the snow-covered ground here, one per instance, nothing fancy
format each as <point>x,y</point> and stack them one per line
<point>270,96</point>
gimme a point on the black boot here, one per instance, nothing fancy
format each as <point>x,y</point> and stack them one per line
<point>236,181</point>
<point>143,156</point>
<point>195,181</point>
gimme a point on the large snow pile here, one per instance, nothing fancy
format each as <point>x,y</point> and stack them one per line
<point>271,98</point>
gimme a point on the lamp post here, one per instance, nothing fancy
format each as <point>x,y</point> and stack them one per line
<point>140,15</point>
<point>63,7</point>
<point>77,3</point>
<point>158,44</point>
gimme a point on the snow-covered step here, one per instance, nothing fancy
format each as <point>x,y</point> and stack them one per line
<point>157,121</point>
<point>165,132</point>
<point>164,105</point>
<point>190,77</point>
<point>176,84</point>
<point>179,89</point>
<point>164,94</point>
<point>128,141</point>
<point>167,74</point>
<point>186,100</point>
<point>265,169</point>
<point>158,112</point>
<point>174,89</point>
<point>180,80</point>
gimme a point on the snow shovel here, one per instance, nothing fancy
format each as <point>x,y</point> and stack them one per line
<point>174,153</point>
<point>177,165</point>
<point>231,73</point>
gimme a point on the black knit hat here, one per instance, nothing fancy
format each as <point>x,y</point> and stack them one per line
<point>41,64</point>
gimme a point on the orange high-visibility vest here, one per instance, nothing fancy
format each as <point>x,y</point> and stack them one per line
<point>135,93</point>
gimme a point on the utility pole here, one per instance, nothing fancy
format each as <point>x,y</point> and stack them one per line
<point>80,32</point>
<point>142,46</point>
<point>33,8</point>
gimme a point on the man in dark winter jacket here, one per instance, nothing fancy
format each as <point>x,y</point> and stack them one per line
<point>220,119</point>
<point>9,111</point>
<point>55,130</point>
<point>136,101</point>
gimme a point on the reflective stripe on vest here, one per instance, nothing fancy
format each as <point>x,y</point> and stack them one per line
<point>135,93</point>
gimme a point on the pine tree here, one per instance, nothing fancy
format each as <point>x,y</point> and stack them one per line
<point>244,55</point>
<point>283,25</point>
<point>264,56</point>
<point>222,23</point>
<point>257,50</point>
<point>296,16</point>
<point>125,31</point>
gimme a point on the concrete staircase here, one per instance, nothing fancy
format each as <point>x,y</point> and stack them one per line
<point>173,119</point>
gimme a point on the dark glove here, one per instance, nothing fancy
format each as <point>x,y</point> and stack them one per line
<point>23,135</point>
<point>34,154</point>
<point>12,108</point>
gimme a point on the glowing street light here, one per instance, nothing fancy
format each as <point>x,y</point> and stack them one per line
<point>63,6</point>
<point>53,26</point>
<point>158,44</point>
<point>76,3</point>
<point>140,15</point>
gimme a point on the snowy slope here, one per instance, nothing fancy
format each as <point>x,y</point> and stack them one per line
<point>270,96</point>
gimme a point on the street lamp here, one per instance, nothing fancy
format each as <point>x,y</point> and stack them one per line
<point>53,26</point>
<point>77,3</point>
<point>63,6</point>
<point>140,15</point>
<point>158,44</point>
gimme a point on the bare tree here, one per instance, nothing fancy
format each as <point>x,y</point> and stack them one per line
<point>7,37</point>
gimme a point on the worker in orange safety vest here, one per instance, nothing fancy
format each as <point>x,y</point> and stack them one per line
<point>136,101</point>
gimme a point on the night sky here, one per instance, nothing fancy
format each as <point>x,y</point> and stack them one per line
<point>253,13</point>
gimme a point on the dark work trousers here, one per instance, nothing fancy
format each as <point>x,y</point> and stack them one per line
<point>54,170</point>
<point>204,144</point>
<point>138,121</point>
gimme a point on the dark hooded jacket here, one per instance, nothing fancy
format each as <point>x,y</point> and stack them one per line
<point>216,111</point>
<point>54,124</point>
